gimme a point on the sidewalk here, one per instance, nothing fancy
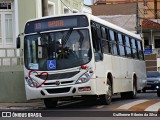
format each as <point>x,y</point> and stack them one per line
<point>29,105</point>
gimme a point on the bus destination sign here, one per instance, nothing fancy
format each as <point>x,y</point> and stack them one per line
<point>49,24</point>
<point>52,24</point>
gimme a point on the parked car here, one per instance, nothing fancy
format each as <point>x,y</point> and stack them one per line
<point>158,90</point>
<point>153,81</point>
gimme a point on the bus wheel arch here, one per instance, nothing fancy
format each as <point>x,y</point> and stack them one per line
<point>107,98</point>
<point>131,94</point>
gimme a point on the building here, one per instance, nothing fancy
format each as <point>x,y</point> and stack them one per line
<point>13,16</point>
<point>149,25</point>
<point>146,15</point>
<point>123,15</point>
<point>15,13</point>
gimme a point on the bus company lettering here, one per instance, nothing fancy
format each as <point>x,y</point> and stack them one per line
<point>56,23</point>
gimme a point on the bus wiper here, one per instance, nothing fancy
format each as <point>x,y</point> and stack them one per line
<point>66,37</point>
<point>81,37</point>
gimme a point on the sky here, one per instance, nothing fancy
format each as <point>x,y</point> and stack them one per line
<point>87,2</point>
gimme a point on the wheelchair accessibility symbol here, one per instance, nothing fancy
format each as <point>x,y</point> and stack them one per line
<point>51,64</point>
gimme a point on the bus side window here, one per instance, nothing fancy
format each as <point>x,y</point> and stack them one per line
<point>121,45</point>
<point>96,42</point>
<point>134,50</point>
<point>117,43</point>
<point>140,50</point>
<point>105,41</point>
<point>128,47</point>
<point>113,42</point>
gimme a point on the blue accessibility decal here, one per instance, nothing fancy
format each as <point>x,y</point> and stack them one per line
<point>51,64</point>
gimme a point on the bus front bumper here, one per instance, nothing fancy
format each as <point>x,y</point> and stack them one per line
<point>83,89</point>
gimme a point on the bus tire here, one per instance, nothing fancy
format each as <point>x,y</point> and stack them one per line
<point>50,103</point>
<point>107,98</point>
<point>131,94</point>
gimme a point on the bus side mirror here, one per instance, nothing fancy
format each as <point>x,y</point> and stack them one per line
<point>18,42</point>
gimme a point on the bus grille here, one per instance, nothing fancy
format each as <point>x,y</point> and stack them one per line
<point>58,90</point>
<point>61,83</point>
<point>58,76</point>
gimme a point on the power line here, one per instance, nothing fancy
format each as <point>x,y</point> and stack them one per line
<point>65,5</point>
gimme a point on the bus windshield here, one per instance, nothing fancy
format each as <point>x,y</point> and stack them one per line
<point>57,50</point>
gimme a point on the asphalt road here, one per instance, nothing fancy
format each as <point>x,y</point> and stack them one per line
<point>144,107</point>
<point>141,103</point>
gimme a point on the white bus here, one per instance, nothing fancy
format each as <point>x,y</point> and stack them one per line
<point>81,55</point>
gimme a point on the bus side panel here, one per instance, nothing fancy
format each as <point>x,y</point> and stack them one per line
<point>141,74</point>
<point>102,69</point>
<point>116,74</point>
<point>137,67</point>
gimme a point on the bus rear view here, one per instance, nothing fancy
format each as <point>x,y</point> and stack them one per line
<point>57,57</point>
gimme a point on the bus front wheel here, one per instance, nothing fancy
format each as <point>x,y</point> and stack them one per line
<point>107,98</point>
<point>50,103</point>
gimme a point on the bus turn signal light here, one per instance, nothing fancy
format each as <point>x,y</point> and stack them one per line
<point>84,67</point>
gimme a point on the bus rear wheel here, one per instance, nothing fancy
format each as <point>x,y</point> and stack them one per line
<point>107,98</point>
<point>50,103</point>
<point>131,94</point>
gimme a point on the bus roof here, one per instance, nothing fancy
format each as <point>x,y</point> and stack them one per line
<point>96,19</point>
<point>113,26</point>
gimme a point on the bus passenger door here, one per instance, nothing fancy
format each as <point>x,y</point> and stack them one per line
<point>97,48</point>
<point>99,62</point>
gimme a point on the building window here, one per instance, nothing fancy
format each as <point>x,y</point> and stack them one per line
<point>5,5</point>
<point>146,43</point>
<point>6,24</point>
<point>145,12</point>
<point>145,3</point>
<point>8,28</point>
<point>157,43</point>
<point>51,8</point>
<point>66,10</point>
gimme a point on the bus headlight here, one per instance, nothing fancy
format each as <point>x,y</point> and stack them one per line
<point>85,77</point>
<point>32,83</point>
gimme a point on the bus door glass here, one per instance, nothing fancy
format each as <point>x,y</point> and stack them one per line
<point>97,45</point>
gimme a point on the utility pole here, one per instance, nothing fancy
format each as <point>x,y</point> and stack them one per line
<point>155,9</point>
<point>44,7</point>
<point>137,17</point>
